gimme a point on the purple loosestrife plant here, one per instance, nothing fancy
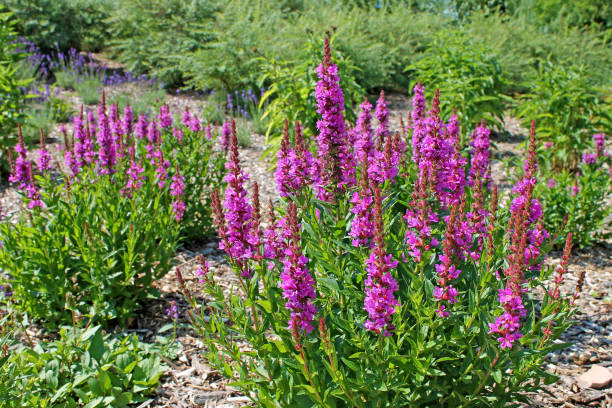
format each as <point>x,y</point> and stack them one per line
<point>114,226</point>
<point>444,311</point>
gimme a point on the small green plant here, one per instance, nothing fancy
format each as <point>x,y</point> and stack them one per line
<point>84,367</point>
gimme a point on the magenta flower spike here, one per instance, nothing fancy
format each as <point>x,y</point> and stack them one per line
<point>600,140</point>
<point>226,135</point>
<point>380,301</point>
<point>525,242</point>
<point>107,155</point>
<point>335,163</point>
<point>362,226</point>
<point>382,115</point>
<point>177,189</point>
<point>481,155</point>
<point>293,169</point>
<point>44,159</point>
<point>363,132</point>
<point>164,118</point>
<point>296,281</point>
<point>240,237</point>
<point>141,128</point>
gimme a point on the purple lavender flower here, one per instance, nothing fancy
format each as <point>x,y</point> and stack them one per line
<point>296,281</point>
<point>172,311</point>
<point>380,301</point>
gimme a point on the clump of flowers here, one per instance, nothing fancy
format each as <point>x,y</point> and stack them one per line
<point>415,269</point>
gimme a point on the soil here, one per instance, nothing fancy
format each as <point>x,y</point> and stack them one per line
<point>190,382</point>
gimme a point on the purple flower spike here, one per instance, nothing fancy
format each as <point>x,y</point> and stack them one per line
<point>335,163</point>
<point>380,301</point>
<point>296,281</point>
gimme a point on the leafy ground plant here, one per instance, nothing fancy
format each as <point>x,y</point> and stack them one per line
<point>391,277</point>
<point>84,367</point>
<point>576,202</point>
<point>100,229</point>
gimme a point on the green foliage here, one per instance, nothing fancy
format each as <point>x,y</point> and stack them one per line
<point>577,203</point>
<point>468,76</point>
<point>290,93</point>
<point>66,24</point>
<point>90,249</point>
<point>89,90</point>
<point>144,100</point>
<point>567,112</point>
<point>149,34</point>
<point>12,99</point>
<point>84,367</point>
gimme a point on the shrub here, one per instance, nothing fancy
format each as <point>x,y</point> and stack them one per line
<point>95,236</point>
<point>63,24</point>
<point>468,76</point>
<point>371,290</point>
<point>567,110</point>
<point>576,202</point>
<point>84,367</point>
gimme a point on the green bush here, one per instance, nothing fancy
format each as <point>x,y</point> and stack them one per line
<point>84,367</point>
<point>567,112</point>
<point>577,203</point>
<point>63,24</point>
<point>148,35</point>
<point>468,76</point>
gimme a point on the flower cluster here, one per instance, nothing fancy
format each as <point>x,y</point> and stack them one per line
<point>294,166</point>
<point>526,237</point>
<point>21,172</point>
<point>177,189</point>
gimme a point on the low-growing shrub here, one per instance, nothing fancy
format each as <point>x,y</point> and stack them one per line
<point>393,277</point>
<point>99,230</point>
<point>84,367</point>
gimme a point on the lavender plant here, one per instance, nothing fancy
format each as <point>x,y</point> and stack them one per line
<point>395,276</point>
<point>98,230</point>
